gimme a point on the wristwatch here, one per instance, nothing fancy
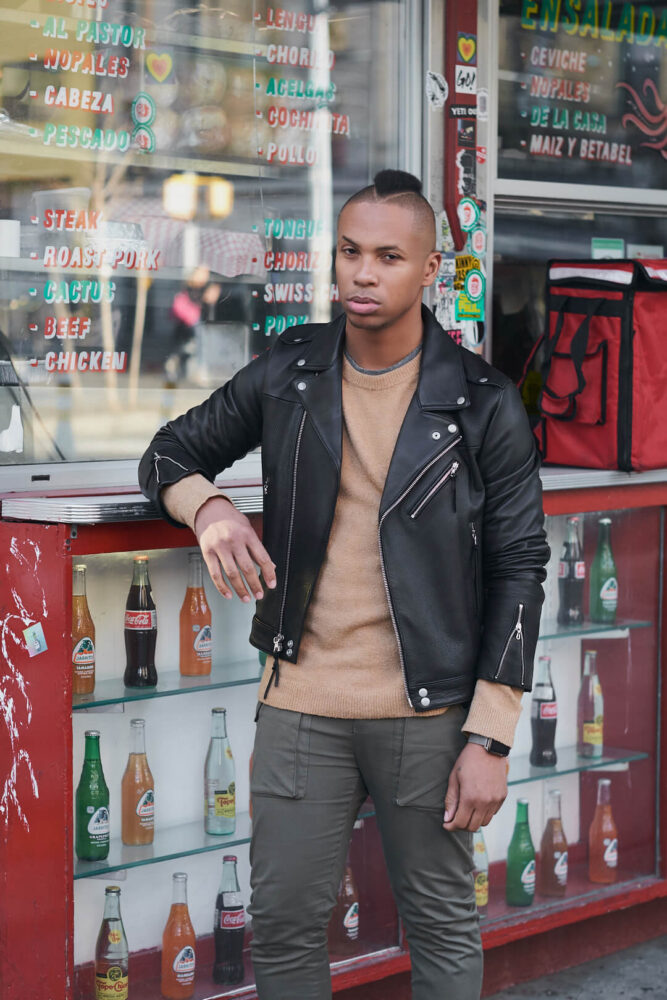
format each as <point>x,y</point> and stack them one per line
<point>491,746</point>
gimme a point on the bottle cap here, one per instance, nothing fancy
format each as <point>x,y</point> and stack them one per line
<point>604,520</point>
<point>218,711</point>
<point>230,857</point>
<point>93,734</point>
<point>181,876</point>
<point>138,722</point>
<point>113,888</point>
<point>143,558</point>
<point>79,568</point>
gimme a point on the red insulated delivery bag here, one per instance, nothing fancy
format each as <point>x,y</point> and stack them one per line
<point>604,375</point>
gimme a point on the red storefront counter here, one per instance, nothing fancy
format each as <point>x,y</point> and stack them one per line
<point>51,904</point>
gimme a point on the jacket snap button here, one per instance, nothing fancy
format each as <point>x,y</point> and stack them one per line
<point>484,380</point>
<point>461,400</point>
<point>423,692</point>
<point>436,435</point>
<point>426,702</point>
<point>452,428</point>
<point>301,362</point>
<point>301,385</point>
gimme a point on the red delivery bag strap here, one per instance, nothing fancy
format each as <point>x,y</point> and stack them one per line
<point>577,352</point>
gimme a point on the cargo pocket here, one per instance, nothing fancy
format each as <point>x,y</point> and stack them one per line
<point>280,755</point>
<point>425,752</point>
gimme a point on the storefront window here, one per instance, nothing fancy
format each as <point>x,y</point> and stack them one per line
<point>169,179</point>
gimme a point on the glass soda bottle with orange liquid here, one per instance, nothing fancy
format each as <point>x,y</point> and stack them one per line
<point>603,839</point>
<point>178,945</point>
<point>83,636</point>
<point>195,624</point>
<point>553,867</point>
<point>137,791</point>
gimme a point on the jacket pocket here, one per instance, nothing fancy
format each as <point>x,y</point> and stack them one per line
<point>280,756</point>
<point>513,654</point>
<point>447,479</point>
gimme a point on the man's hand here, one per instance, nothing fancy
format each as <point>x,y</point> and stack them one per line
<point>477,788</point>
<point>230,544</point>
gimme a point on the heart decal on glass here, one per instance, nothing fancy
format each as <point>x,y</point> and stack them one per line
<point>159,65</point>
<point>467,47</point>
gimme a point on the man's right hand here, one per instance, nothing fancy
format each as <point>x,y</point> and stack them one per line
<point>231,550</point>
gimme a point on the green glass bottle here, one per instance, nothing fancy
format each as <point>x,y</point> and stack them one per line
<point>91,840</point>
<point>520,878</point>
<point>604,582</point>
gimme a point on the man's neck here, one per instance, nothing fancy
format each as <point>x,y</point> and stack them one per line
<point>381,349</point>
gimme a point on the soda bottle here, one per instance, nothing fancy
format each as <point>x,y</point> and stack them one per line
<point>137,791</point>
<point>83,636</point>
<point>604,583</point>
<point>480,872</point>
<point>552,869</point>
<point>520,879</point>
<point>92,804</point>
<point>603,839</point>
<point>543,717</point>
<point>590,710</point>
<point>177,981</point>
<point>571,576</point>
<point>344,924</point>
<point>219,783</point>
<point>111,952</point>
<point>195,624</point>
<point>140,629</point>
<point>229,926</point>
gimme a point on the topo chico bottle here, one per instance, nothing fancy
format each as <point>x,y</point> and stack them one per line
<point>111,951</point>
<point>219,778</point>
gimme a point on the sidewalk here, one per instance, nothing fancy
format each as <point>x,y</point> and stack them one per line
<point>637,973</point>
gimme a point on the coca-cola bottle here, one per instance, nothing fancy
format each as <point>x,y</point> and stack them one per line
<point>140,629</point>
<point>229,926</point>
<point>571,577</point>
<point>543,717</point>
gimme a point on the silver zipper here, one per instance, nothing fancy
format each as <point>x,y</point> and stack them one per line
<point>395,504</point>
<point>165,458</point>
<point>279,638</point>
<point>515,635</point>
<point>449,474</point>
<point>473,532</point>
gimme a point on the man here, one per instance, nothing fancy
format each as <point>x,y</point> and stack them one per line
<point>398,593</point>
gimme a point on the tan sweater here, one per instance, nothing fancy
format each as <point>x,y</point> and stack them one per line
<point>348,664</point>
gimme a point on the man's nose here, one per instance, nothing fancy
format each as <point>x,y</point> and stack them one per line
<point>366,272</point>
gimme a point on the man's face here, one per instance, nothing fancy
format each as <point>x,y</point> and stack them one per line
<point>384,260</point>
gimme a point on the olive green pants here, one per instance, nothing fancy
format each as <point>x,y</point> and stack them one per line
<point>310,776</point>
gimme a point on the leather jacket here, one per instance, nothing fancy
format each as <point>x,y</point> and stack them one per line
<point>460,526</point>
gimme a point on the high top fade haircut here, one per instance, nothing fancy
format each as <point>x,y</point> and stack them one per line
<point>399,188</point>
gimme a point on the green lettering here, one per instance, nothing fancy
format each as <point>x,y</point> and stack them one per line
<point>570,17</point>
<point>660,37</point>
<point>645,25</point>
<point>271,86</point>
<point>589,20</point>
<point>550,15</point>
<point>528,10</point>
<point>626,24</point>
<point>606,31</point>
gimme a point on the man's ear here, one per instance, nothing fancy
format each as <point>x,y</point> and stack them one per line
<point>432,267</point>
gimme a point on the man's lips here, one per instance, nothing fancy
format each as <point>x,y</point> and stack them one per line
<point>362,304</point>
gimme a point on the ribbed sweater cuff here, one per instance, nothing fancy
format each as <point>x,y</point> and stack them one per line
<point>184,498</point>
<point>494,711</point>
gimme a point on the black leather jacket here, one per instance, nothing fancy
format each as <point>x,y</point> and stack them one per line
<point>460,526</point>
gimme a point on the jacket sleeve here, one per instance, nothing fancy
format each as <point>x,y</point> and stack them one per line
<point>514,546</point>
<point>209,437</point>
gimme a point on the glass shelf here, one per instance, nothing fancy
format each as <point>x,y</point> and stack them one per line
<point>569,762</point>
<point>170,682</point>
<point>550,629</point>
<point>175,842</point>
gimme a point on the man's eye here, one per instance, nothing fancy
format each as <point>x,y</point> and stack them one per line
<point>348,251</point>
<point>391,256</point>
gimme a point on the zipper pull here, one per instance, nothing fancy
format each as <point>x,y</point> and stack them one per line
<point>266,486</point>
<point>473,530</point>
<point>454,469</point>
<point>278,643</point>
<point>518,628</point>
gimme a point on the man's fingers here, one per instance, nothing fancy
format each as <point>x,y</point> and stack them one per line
<point>452,797</point>
<point>247,567</point>
<point>213,566</point>
<point>233,574</point>
<point>264,561</point>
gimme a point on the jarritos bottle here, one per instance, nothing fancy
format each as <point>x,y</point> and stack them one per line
<point>195,624</point>
<point>520,878</point>
<point>111,951</point>
<point>83,636</point>
<point>590,710</point>
<point>229,926</point>
<point>603,839</point>
<point>177,981</point>
<point>219,778</point>
<point>137,791</point>
<point>604,582</point>
<point>91,840</point>
<point>344,924</point>
<point>571,577</point>
<point>552,869</point>
<point>140,629</point>
<point>480,873</point>
<point>543,717</point>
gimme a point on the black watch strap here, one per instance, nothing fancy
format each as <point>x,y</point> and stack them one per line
<point>491,746</point>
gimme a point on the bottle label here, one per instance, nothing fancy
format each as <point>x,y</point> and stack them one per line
<point>562,570</point>
<point>115,936</point>
<point>203,643</point>
<point>609,594</point>
<point>83,657</point>
<point>593,733</point>
<point>112,983</point>
<point>528,878</point>
<point>560,868</point>
<point>480,847</point>
<point>141,621</point>
<point>232,920</point>
<point>481,889</point>
<point>184,966</point>
<point>351,922</point>
<point>610,852</point>
<point>146,809</point>
<point>549,710</point>
<point>224,802</point>
<point>580,570</point>
<point>98,826</point>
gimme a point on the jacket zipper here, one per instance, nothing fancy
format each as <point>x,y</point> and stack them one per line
<point>279,638</point>
<point>473,532</point>
<point>392,613</point>
<point>446,476</point>
<point>165,458</point>
<point>515,635</point>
